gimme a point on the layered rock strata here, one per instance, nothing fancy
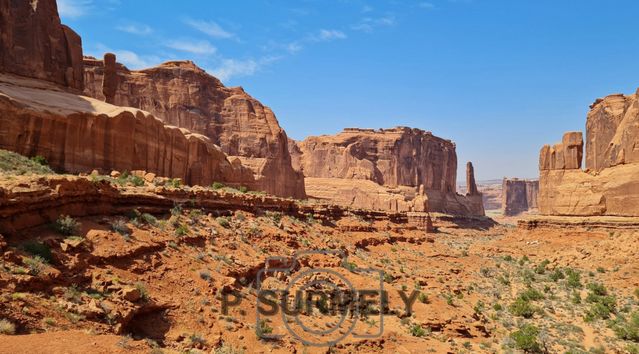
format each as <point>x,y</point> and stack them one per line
<point>610,183</point>
<point>182,94</point>
<point>519,195</point>
<point>400,169</point>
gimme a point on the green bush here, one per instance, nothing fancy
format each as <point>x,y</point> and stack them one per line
<point>36,264</point>
<point>416,330</point>
<point>39,249</point>
<point>67,225</point>
<point>120,227</point>
<point>7,327</point>
<point>41,160</point>
<point>243,189</point>
<point>523,308</point>
<point>181,230</point>
<point>526,339</point>
<point>573,279</point>
<point>531,294</point>
<point>217,185</point>
<point>149,219</point>
<point>224,222</point>
<point>556,275</point>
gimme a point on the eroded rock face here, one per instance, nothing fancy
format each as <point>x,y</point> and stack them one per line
<point>78,134</point>
<point>471,186</point>
<point>612,132</point>
<point>35,44</point>
<point>519,195</point>
<point>610,184</point>
<point>399,169</point>
<point>182,94</point>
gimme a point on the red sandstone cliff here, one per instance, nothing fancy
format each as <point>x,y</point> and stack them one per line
<point>182,94</point>
<point>41,113</point>
<point>610,183</point>
<point>35,44</point>
<point>394,169</point>
<point>519,195</point>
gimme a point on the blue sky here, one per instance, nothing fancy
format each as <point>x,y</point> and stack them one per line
<point>499,77</point>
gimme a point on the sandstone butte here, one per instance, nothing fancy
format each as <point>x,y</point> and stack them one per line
<point>609,185</point>
<point>519,195</point>
<point>398,169</point>
<point>182,94</point>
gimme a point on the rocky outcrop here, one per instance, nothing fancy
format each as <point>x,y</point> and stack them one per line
<point>471,185</point>
<point>519,195</point>
<point>35,44</point>
<point>392,169</point>
<point>610,184</point>
<point>612,132</point>
<point>182,94</point>
<point>78,134</point>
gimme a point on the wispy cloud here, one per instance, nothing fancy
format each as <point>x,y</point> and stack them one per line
<point>74,8</point>
<point>129,58</point>
<point>209,28</point>
<point>230,68</point>
<point>140,30</point>
<point>426,5</point>
<point>325,35</point>
<point>369,24</point>
<point>191,46</point>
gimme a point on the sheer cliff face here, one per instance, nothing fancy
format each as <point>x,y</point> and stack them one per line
<point>610,184</point>
<point>391,157</point>
<point>612,132</point>
<point>399,169</point>
<point>519,195</point>
<point>35,44</point>
<point>182,94</point>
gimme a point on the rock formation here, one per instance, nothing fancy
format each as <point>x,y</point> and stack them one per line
<point>519,195</point>
<point>35,44</point>
<point>79,134</point>
<point>400,169</point>
<point>471,186</point>
<point>610,183</point>
<point>182,94</point>
<point>42,114</point>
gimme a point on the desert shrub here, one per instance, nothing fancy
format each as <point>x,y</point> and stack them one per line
<point>526,339</point>
<point>423,298</point>
<point>217,185</point>
<point>35,264</point>
<point>242,189</point>
<point>479,307</point>
<point>227,349</point>
<point>263,328</point>
<point>120,227</point>
<point>136,181</point>
<point>174,183</point>
<point>144,293</point>
<point>416,330</point>
<point>522,307</point>
<point>205,274</point>
<point>508,258</point>
<point>181,229</point>
<point>274,216</point>
<point>531,294</point>
<point>149,219</point>
<point>223,221</point>
<point>197,340</point>
<point>16,164</point>
<point>541,267</point>
<point>601,304</point>
<point>556,275</point>
<point>573,279</point>
<point>627,329</point>
<point>7,327</point>
<point>498,307</point>
<point>41,160</point>
<point>176,210</point>
<point>66,225</point>
<point>39,249</point>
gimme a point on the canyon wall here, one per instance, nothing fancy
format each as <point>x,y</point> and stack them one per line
<point>35,44</point>
<point>610,183</point>
<point>182,94</point>
<point>41,112</point>
<point>78,134</point>
<point>519,195</point>
<point>400,169</point>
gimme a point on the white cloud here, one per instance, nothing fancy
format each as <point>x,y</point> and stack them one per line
<point>325,35</point>
<point>230,68</point>
<point>74,8</point>
<point>369,24</point>
<point>209,28</point>
<point>426,5</point>
<point>130,59</point>
<point>193,47</point>
<point>141,30</point>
